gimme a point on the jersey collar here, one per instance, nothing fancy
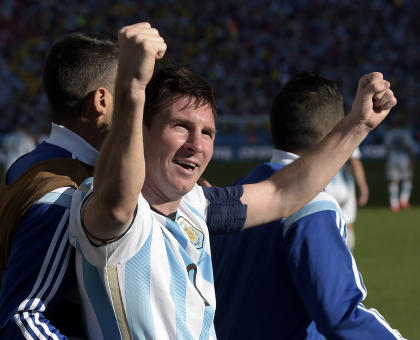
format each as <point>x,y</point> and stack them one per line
<point>283,157</point>
<point>70,141</point>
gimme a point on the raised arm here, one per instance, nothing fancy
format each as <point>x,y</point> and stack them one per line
<point>120,170</point>
<point>292,187</point>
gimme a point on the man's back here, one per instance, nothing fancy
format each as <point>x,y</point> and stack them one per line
<point>272,281</point>
<point>261,301</point>
<point>38,297</point>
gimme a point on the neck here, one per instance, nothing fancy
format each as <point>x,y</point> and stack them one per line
<point>166,208</point>
<point>159,202</point>
<point>91,134</point>
<point>171,216</point>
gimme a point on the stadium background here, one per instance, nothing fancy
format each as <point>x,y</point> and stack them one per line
<point>247,49</point>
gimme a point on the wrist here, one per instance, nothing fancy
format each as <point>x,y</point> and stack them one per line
<point>355,126</point>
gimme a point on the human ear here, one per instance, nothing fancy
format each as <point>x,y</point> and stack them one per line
<point>102,100</point>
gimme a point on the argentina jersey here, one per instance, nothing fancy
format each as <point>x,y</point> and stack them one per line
<point>155,282</point>
<point>324,203</point>
<point>39,299</point>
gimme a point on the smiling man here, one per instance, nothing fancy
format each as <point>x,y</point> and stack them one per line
<point>183,118</point>
<point>142,231</point>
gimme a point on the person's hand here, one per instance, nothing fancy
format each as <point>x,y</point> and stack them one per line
<point>203,182</point>
<point>139,46</point>
<point>374,99</point>
<point>363,197</point>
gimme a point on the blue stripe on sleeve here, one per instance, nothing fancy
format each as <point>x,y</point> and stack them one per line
<point>308,209</point>
<point>86,185</point>
<point>57,198</point>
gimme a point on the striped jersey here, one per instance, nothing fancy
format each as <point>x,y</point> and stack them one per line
<point>399,144</point>
<point>156,281</point>
<point>343,188</point>
<point>290,272</point>
<point>38,296</point>
<point>342,185</point>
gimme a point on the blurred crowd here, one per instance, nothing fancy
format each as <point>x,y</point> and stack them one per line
<point>246,49</point>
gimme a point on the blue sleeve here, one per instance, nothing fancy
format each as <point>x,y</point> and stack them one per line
<point>328,281</point>
<point>39,296</point>
<point>225,212</point>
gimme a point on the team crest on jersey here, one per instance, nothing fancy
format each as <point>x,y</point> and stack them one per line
<point>195,235</point>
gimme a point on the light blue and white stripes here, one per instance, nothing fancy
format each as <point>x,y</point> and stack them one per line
<point>164,275</point>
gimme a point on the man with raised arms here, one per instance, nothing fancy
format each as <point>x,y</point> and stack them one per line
<point>142,231</point>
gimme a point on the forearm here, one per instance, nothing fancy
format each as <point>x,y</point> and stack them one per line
<point>295,185</point>
<point>312,172</point>
<point>30,325</point>
<point>120,169</point>
<point>290,188</point>
<point>360,178</point>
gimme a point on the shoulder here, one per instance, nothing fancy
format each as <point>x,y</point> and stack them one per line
<point>195,198</point>
<point>41,153</point>
<point>322,203</point>
<point>260,173</point>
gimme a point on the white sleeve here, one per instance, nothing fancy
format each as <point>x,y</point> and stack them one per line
<point>356,154</point>
<point>115,252</point>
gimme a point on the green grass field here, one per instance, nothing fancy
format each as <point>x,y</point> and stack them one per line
<point>388,255</point>
<point>387,246</point>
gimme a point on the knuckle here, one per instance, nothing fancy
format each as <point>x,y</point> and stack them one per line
<point>123,31</point>
<point>147,44</point>
<point>377,87</point>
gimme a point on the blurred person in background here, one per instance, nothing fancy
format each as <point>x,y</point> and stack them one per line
<point>16,144</point>
<point>400,149</point>
<point>343,189</point>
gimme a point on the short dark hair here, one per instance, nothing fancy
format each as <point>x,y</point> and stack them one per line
<point>76,65</point>
<point>171,83</point>
<point>304,111</point>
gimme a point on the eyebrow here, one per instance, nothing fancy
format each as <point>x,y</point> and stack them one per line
<point>211,130</point>
<point>188,122</point>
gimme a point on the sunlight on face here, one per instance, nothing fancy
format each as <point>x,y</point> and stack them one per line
<point>178,146</point>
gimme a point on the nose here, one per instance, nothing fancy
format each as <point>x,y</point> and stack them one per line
<point>195,141</point>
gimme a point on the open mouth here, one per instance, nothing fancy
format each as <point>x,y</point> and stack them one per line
<point>187,164</point>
